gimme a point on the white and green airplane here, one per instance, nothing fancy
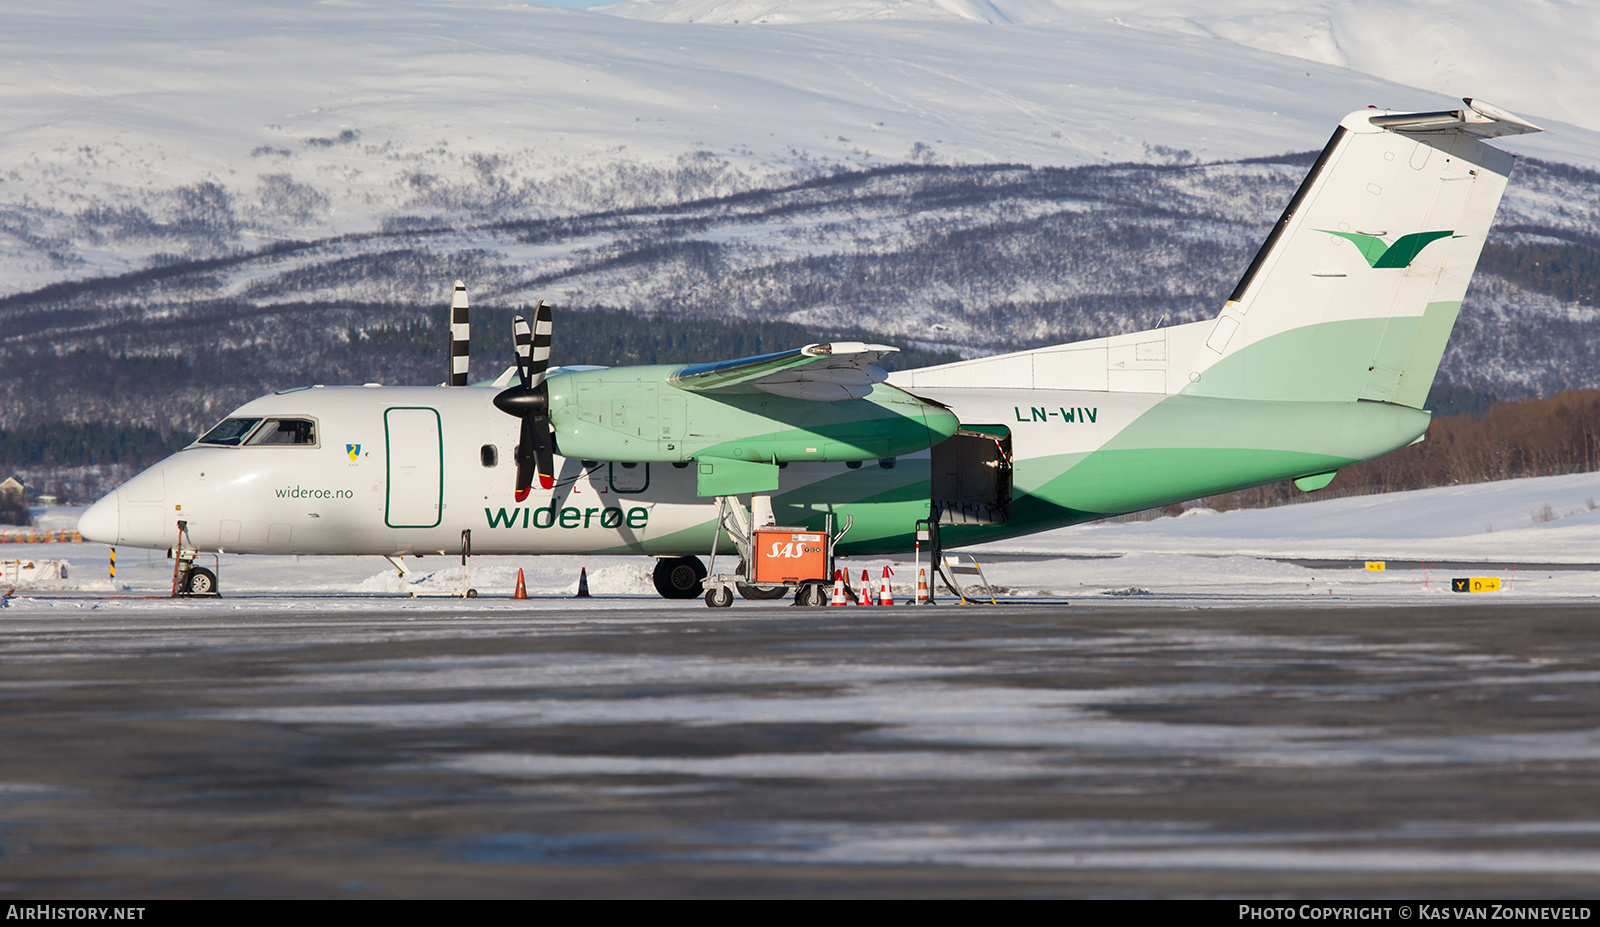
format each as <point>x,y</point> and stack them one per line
<point>1322,357</point>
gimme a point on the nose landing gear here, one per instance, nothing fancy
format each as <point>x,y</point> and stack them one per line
<point>199,581</point>
<point>189,580</point>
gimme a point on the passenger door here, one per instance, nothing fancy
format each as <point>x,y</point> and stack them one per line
<point>414,449</point>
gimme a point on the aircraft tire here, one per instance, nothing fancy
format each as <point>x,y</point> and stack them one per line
<point>200,581</point>
<point>758,594</point>
<point>719,597</point>
<point>679,577</point>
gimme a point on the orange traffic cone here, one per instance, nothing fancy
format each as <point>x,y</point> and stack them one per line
<point>838,589</point>
<point>866,589</point>
<point>583,583</point>
<point>885,591</point>
<point>922,586</point>
<point>522,587</point>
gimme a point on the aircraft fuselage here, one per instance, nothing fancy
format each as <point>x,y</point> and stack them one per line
<point>405,470</point>
<point>1322,356</point>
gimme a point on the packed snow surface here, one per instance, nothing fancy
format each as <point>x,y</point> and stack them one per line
<point>1552,519</point>
<point>1510,527</point>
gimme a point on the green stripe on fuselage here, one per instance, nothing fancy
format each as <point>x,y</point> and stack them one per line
<point>1189,446</point>
<point>1182,448</point>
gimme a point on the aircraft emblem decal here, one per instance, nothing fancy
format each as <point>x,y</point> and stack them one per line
<point>1380,255</point>
<point>354,450</point>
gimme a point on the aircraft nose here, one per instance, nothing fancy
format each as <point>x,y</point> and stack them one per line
<point>99,522</point>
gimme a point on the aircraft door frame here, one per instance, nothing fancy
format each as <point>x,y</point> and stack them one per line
<point>414,458</point>
<point>970,478</point>
<point>628,477</point>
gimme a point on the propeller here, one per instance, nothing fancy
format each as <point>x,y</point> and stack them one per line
<point>529,400</point>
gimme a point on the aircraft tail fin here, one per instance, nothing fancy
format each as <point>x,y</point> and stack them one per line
<point>1357,288</point>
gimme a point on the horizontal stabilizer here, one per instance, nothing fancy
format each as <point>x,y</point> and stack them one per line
<point>825,372</point>
<point>1479,119</point>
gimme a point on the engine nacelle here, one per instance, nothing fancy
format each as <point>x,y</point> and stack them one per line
<point>634,414</point>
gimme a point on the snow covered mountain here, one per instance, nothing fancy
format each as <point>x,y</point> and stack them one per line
<point>327,117</point>
<point>314,118</point>
<point>1530,56</point>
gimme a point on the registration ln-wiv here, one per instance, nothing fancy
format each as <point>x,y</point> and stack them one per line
<point>1321,357</point>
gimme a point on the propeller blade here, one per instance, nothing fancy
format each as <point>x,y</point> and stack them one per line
<point>535,456</point>
<point>541,343</point>
<point>544,457</point>
<point>529,400</point>
<point>522,337</point>
<point>460,336</point>
<point>525,458</point>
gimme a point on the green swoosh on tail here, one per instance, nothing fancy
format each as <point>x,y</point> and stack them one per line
<point>1399,254</point>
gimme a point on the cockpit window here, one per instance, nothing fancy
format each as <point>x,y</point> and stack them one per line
<point>230,432</point>
<point>301,431</point>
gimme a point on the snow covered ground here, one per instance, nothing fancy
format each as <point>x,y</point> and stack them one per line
<point>1197,558</point>
<point>1544,520</point>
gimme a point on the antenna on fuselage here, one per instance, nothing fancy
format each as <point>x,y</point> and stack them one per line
<point>460,336</point>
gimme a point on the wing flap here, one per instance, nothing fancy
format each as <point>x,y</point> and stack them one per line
<point>822,372</point>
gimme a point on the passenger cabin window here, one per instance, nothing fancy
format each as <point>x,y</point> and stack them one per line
<point>489,454</point>
<point>278,431</point>
<point>230,432</point>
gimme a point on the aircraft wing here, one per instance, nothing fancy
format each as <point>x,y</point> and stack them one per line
<point>824,372</point>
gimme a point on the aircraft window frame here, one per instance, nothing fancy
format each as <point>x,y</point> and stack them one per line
<point>237,439</point>
<point>254,440</point>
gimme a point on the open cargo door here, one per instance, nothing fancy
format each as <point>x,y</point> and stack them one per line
<point>972,476</point>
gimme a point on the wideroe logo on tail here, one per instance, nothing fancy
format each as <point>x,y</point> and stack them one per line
<point>1381,255</point>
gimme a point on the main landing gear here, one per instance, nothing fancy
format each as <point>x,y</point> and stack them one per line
<point>679,577</point>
